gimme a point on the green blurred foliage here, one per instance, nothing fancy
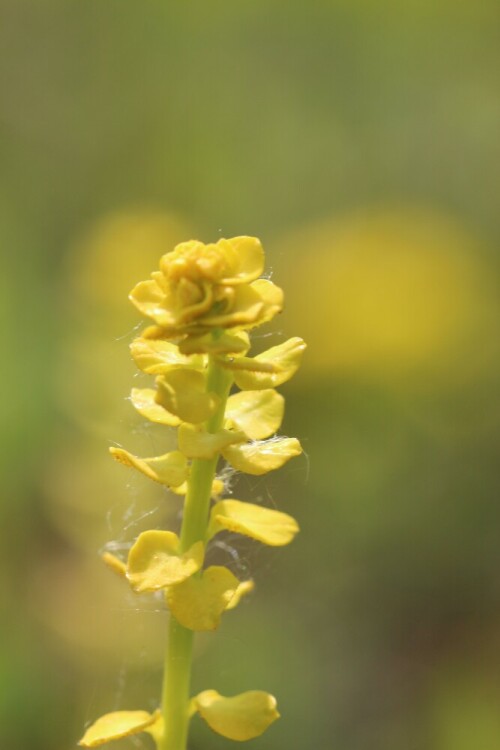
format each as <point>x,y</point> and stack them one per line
<point>359,140</point>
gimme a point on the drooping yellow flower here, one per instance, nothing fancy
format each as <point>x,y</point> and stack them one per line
<point>266,525</point>
<point>118,724</point>
<point>200,288</point>
<point>241,717</point>
<point>155,561</point>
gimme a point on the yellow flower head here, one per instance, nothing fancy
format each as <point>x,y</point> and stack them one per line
<point>202,287</point>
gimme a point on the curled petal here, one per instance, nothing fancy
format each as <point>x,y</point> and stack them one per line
<point>157,356</point>
<point>170,469</point>
<point>226,343</point>
<point>262,456</point>
<point>256,413</point>
<point>241,717</point>
<point>116,725</point>
<point>244,308</point>
<point>183,393</point>
<point>143,400</point>
<point>244,588</point>
<point>154,561</point>
<point>114,563</point>
<point>194,442</point>
<point>272,298</point>
<point>199,602</point>
<point>244,258</point>
<point>286,357</point>
<point>263,524</point>
<point>149,298</point>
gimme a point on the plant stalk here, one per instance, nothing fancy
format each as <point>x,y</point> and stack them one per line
<point>178,661</point>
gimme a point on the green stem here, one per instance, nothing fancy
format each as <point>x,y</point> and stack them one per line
<point>177,674</point>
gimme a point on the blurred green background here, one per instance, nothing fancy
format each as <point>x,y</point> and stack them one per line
<point>360,142</point>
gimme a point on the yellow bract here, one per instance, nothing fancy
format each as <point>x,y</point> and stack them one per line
<point>240,718</point>
<point>201,287</point>
<point>170,469</point>
<point>154,561</point>
<point>194,442</point>
<point>199,602</point>
<point>116,725</point>
<point>256,413</point>
<point>286,359</point>
<point>268,526</point>
<point>183,393</point>
<point>144,400</point>
<point>263,456</point>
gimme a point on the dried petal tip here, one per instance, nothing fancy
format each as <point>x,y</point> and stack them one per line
<point>240,718</point>
<point>116,725</point>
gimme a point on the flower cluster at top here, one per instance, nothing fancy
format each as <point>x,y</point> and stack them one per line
<point>202,302</point>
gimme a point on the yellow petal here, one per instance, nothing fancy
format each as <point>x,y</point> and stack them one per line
<point>272,297</point>
<point>194,442</point>
<point>240,718</point>
<point>264,524</point>
<point>114,563</point>
<point>154,561</point>
<point>244,588</point>
<point>156,356</point>
<point>256,413</point>
<point>248,364</point>
<point>244,257</point>
<point>227,343</point>
<point>262,456</point>
<point>183,392</point>
<point>170,469</point>
<point>199,602</point>
<point>245,308</point>
<point>148,297</point>
<point>116,725</point>
<point>143,400</point>
<point>286,357</point>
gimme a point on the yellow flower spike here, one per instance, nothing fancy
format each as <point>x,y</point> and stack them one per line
<point>256,413</point>
<point>183,392</point>
<point>170,469</point>
<point>114,563</point>
<point>195,442</point>
<point>199,602</point>
<point>154,561</point>
<point>271,527</point>
<point>144,401</point>
<point>227,343</point>
<point>286,357</point>
<point>244,588</point>
<point>116,725</point>
<point>239,718</point>
<point>156,356</point>
<point>262,456</point>
<point>202,301</point>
